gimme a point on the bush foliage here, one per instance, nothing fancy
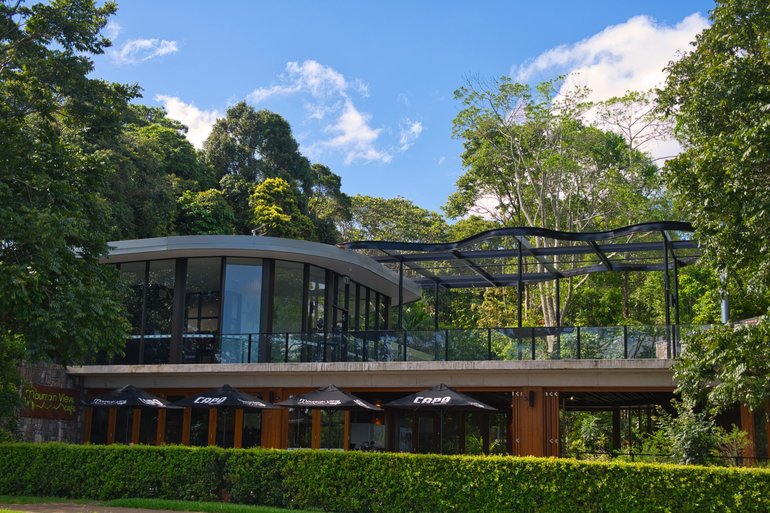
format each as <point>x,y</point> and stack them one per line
<point>377,482</point>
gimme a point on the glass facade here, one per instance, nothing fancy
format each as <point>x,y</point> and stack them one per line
<point>246,310</point>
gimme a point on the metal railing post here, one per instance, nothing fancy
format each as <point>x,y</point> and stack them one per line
<point>578,342</point>
<point>446,345</point>
<point>625,343</point>
<point>286,349</point>
<point>403,337</point>
<point>248,358</point>
<point>533,343</point>
<point>489,343</point>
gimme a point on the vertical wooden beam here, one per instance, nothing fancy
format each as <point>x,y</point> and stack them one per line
<point>111,421</point>
<point>87,425</point>
<point>514,429</point>
<point>136,425</point>
<point>484,419</point>
<point>315,436</point>
<point>346,432</point>
<point>160,434</point>
<point>186,421</point>
<point>238,438</point>
<point>551,423</point>
<point>212,426</point>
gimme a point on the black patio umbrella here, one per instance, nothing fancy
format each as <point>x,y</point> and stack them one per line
<point>328,398</point>
<point>440,398</point>
<point>225,397</point>
<point>222,397</point>
<point>128,397</point>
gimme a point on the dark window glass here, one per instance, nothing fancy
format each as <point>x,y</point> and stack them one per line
<point>148,426</point>
<point>225,427</point>
<point>160,299</point>
<point>174,422</point>
<point>287,299</point>
<point>123,425</point>
<point>252,428</point>
<point>199,427</point>
<point>316,288</point>
<point>202,295</point>
<point>332,429</point>
<point>133,273</point>
<point>99,425</point>
<point>300,428</point>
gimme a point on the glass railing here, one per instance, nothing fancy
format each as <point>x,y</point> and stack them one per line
<point>501,344</point>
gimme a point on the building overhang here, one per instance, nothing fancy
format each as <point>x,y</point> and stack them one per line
<point>479,375</point>
<point>359,268</point>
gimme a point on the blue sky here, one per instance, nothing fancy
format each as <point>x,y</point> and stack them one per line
<point>368,87</point>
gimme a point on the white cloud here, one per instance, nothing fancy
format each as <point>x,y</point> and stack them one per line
<point>410,131</point>
<point>199,122</point>
<point>309,77</point>
<point>135,51</point>
<point>630,56</point>
<point>329,99</point>
<point>441,161</point>
<point>354,137</point>
<point>112,30</point>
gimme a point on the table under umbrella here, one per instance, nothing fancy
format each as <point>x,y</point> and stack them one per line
<point>440,399</point>
<point>128,397</point>
<point>224,397</point>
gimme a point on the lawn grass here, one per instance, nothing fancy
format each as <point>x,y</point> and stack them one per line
<point>205,507</point>
<point>21,499</point>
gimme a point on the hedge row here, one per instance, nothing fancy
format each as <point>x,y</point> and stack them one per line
<point>372,482</point>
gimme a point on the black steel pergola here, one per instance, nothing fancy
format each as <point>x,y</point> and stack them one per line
<point>506,257</point>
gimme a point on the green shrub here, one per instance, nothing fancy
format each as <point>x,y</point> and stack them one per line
<point>378,482</point>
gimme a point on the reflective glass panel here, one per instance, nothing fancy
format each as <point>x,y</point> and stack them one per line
<point>160,298</point>
<point>287,299</point>
<point>317,300</point>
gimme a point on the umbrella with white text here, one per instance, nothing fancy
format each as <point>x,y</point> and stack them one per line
<point>440,399</point>
<point>225,397</point>
<point>328,398</point>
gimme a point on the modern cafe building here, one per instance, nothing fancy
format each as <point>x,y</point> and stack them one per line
<point>277,318</point>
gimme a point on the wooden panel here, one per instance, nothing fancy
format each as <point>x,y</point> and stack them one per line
<point>747,425</point>
<point>212,426</point>
<point>315,442</point>
<point>238,439</point>
<point>275,424</point>
<point>87,425</point>
<point>136,425</point>
<point>159,438</point>
<point>111,421</point>
<point>515,427</point>
<point>529,410</point>
<point>551,421</point>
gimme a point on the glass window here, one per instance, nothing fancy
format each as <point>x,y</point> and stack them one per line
<point>99,422</point>
<point>287,299</point>
<point>226,427</point>
<point>202,295</point>
<point>199,427</point>
<point>242,309</point>
<point>300,428</point>
<point>174,422</point>
<point>371,313</point>
<point>160,298</point>
<point>332,429</point>
<point>316,300</point>
<point>252,428</point>
<point>133,273</point>
<point>148,426</point>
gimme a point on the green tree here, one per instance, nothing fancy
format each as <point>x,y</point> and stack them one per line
<point>532,162</point>
<point>328,206</point>
<point>394,219</point>
<point>54,295</point>
<point>256,145</point>
<point>204,213</point>
<point>276,213</point>
<point>718,95</point>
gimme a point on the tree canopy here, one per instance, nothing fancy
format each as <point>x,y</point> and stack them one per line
<point>718,95</point>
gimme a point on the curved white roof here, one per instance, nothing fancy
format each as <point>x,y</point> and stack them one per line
<point>360,268</point>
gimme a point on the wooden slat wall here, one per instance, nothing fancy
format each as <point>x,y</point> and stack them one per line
<point>551,438</point>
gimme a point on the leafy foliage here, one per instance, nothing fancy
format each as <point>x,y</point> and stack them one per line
<point>204,213</point>
<point>395,219</point>
<point>718,94</point>
<point>377,482</point>
<point>276,213</point>
<point>54,294</point>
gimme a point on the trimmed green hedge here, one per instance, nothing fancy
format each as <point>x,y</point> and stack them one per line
<point>358,482</point>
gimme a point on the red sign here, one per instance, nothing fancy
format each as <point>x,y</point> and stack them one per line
<point>42,402</point>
